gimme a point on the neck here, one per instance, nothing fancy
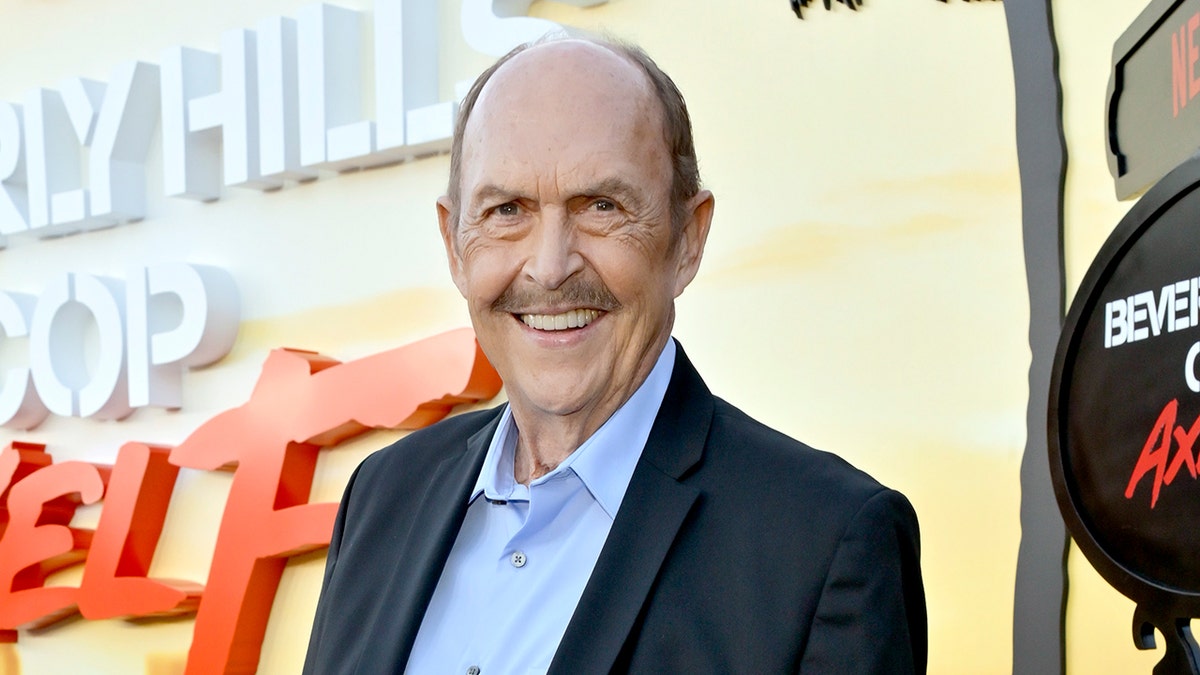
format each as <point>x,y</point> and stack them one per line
<point>546,437</point>
<point>540,450</point>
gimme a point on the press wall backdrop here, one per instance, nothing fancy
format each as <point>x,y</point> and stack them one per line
<point>863,288</point>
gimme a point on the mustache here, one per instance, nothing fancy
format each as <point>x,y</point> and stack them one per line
<point>574,292</point>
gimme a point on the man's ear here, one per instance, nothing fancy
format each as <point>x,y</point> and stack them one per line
<point>449,229</point>
<point>690,247</point>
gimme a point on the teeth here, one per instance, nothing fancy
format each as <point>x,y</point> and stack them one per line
<point>576,318</point>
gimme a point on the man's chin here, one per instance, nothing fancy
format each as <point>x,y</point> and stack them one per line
<point>554,399</point>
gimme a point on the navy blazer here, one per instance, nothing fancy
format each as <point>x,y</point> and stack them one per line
<point>735,550</point>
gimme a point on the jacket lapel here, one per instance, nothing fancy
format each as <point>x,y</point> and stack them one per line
<point>651,514</point>
<point>421,559</point>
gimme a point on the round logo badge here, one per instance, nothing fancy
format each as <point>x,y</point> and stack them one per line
<point>1125,403</point>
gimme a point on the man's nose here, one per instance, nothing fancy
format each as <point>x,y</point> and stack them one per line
<point>554,255</point>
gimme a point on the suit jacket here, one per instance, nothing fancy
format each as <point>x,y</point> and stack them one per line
<point>735,550</point>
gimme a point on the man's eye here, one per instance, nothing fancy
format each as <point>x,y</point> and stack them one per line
<point>604,205</point>
<point>509,209</point>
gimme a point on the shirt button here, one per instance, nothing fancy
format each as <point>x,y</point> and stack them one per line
<point>518,559</point>
<point>473,670</point>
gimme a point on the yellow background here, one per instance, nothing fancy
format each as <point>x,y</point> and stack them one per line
<point>863,288</point>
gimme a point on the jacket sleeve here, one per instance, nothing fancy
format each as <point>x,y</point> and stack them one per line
<point>871,614</point>
<point>318,651</point>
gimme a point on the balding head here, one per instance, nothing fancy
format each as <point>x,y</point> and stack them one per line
<point>587,58</point>
<point>568,233</point>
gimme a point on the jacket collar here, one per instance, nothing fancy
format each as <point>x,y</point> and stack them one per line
<point>420,561</point>
<point>651,514</point>
<point>655,507</point>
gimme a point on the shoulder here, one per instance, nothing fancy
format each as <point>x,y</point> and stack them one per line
<point>416,455</point>
<point>819,532</point>
<point>750,468</point>
<point>390,486</point>
<point>745,447</point>
<point>741,454</point>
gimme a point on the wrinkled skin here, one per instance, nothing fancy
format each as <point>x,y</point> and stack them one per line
<point>566,219</point>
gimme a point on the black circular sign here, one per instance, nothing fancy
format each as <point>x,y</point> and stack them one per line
<point>1125,402</point>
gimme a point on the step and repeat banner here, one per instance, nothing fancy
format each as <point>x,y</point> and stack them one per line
<point>222,286</point>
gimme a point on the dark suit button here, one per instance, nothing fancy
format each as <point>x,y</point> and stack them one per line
<point>473,670</point>
<point>518,559</point>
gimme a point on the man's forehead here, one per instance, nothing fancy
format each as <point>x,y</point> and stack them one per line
<point>567,111</point>
<point>571,57</point>
<point>562,73</point>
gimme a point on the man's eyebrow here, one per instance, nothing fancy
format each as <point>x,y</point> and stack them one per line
<point>490,192</point>
<point>615,186</point>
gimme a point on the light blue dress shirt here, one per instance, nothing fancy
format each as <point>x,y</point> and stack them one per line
<point>525,553</point>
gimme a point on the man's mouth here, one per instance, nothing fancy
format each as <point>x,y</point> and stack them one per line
<point>575,318</point>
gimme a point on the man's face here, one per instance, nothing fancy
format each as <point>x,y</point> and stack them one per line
<point>563,246</point>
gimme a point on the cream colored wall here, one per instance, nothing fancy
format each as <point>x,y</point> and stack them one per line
<point>863,289</point>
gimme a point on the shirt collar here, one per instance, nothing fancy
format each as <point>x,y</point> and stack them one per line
<point>604,462</point>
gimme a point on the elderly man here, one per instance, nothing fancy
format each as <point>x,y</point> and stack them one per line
<point>614,516</point>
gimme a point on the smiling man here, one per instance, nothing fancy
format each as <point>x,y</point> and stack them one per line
<point>614,516</point>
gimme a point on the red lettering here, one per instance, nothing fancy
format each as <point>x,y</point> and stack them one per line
<point>1156,451</point>
<point>17,461</point>
<point>1193,55</point>
<point>37,540</point>
<point>301,403</point>
<point>1183,456</point>
<point>1154,455</point>
<point>135,506</point>
<point>1179,78</point>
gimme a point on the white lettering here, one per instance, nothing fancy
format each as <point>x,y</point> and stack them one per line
<point>1144,315</point>
<point>1177,319</point>
<point>20,407</point>
<point>1189,368</point>
<point>1115,332</point>
<point>51,158</point>
<point>14,202</point>
<point>105,394</point>
<point>70,208</point>
<point>124,130</point>
<point>59,348</point>
<point>333,133</point>
<point>233,112</point>
<point>47,347</point>
<point>163,341</point>
<point>278,103</point>
<point>99,348</point>
<point>1194,301</point>
<point>1139,310</point>
<point>1158,312</point>
<point>191,159</point>
<point>411,121</point>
